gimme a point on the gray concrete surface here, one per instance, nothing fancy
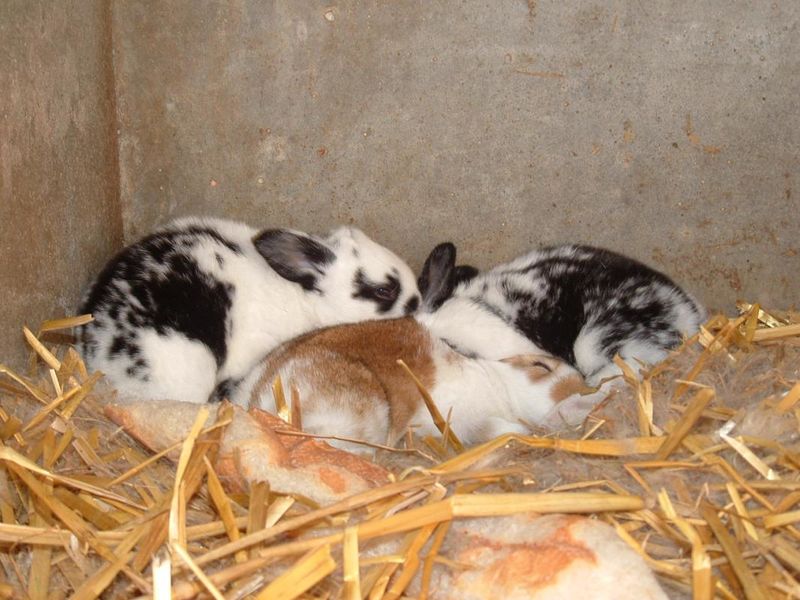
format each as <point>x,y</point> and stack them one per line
<point>668,130</point>
<point>59,211</point>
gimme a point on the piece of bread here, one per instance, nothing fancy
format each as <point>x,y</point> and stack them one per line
<point>541,558</point>
<point>252,449</point>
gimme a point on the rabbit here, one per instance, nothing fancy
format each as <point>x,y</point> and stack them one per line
<point>350,385</point>
<point>187,311</point>
<point>579,303</point>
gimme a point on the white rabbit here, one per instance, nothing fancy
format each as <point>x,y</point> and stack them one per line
<point>350,384</point>
<point>578,303</point>
<point>187,311</point>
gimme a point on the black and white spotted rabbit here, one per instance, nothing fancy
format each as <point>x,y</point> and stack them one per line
<point>186,311</point>
<point>578,303</point>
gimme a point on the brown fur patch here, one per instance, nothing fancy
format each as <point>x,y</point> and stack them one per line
<point>536,366</point>
<point>568,386</point>
<point>358,362</point>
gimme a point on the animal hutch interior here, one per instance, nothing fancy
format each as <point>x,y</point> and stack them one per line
<point>463,299</point>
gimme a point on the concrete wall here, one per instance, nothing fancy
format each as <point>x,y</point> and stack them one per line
<point>668,130</point>
<point>59,211</point>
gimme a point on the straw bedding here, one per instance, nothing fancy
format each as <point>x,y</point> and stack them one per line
<point>696,467</point>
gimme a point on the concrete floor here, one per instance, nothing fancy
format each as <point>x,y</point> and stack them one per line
<point>667,130</point>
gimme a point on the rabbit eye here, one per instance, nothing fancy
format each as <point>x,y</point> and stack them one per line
<point>386,292</point>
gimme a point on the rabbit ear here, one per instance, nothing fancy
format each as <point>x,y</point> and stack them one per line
<point>294,256</point>
<point>437,280</point>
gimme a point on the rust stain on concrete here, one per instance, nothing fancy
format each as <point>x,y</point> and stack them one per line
<point>694,139</point>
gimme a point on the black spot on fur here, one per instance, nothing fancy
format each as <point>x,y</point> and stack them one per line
<point>224,390</point>
<point>124,345</point>
<point>383,294</point>
<point>465,273</point>
<point>137,368</point>
<point>177,296</point>
<point>128,263</point>
<point>607,291</point>
<point>118,345</point>
<point>191,303</point>
<point>214,235</point>
<point>411,305</point>
<point>553,324</point>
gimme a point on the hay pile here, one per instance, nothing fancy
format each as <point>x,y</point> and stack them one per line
<point>697,466</point>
